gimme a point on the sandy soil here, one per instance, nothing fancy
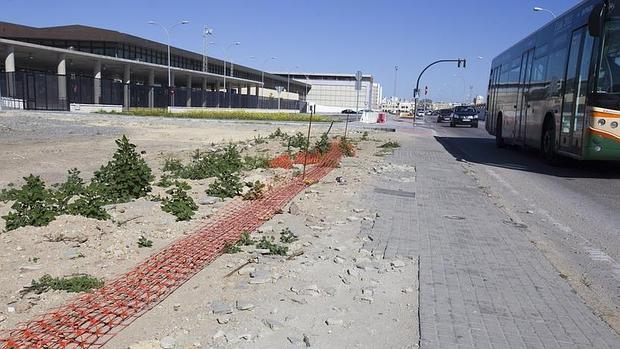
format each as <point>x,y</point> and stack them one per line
<point>330,295</point>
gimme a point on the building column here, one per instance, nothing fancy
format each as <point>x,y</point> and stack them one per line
<point>127,81</point>
<point>219,86</point>
<point>152,88</point>
<point>204,92</point>
<point>97,82</point>
<point>62,80</point>
<point>9,65</point>
<point>173,91</point>
<point>189,91</point>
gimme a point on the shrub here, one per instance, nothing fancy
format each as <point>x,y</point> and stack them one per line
<point>287,236</point>
<point>90,203</point>
<point>227,115</point>
<point>231,248</point>
<point>179,203</point>
<point>267,244</point>
<point>76,283</point>
<point>256,191</point>
<point>246,239</point>
<point>34,205</point>
<point>144,242</point>
<point>126,176</point>
<point>259,140</point>
<point>299,140</point>
<point>278,134</point>
<point>227,185</point>
<point>322,145</point>
<point>206,164</point>
<point>364,136</point>
<point>74,185</point>
<point>347,147</point>
<point>390,144</point>
<point>254,162</point>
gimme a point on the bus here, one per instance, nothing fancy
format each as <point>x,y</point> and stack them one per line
<point>558,90</point>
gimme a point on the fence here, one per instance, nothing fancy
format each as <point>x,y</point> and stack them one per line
<point>46,91</point>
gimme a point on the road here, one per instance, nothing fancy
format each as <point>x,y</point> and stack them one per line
<point>571,210</point>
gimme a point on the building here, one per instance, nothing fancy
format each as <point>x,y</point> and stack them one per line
<point>332,93</point>
<point>75,66</point>
<point>479,100</point>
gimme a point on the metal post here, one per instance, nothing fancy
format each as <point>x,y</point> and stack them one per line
<point>303,177</point>
<point>168,30</point>
<point>417,85</point>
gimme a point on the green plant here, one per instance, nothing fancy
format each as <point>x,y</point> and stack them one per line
<point>254,162</point>
<point>90,203</point>
<point>126,176</point>
<point>227,185</point>
<point>267,244</point>
<point>390,144</point>
<point>246,239</point>
<point>76,283</point>
<point>144,242</point>
<point>322,145</point>
<point>299,140</point>
<point>34,205</point>
<point>225,115</point>
<point>8,194</point>
<point>231,248</point>
<point>165,181</point>
<point>364,136</point>
<point>287,236</point>
<point>256,191</point>
<point>179,203</point>
<point>259,140</point>
<point>74,185</point>
<point>278,134</point>
<point>347,147</point>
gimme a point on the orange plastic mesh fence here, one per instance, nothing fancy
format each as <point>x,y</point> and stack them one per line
<point>91,319</point>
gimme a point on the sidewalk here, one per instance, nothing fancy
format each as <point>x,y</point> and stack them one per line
<point>482,283</point>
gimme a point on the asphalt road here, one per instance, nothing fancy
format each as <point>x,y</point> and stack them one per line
<point>570,211</point>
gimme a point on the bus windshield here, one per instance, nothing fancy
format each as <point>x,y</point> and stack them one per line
<point>609,71</point>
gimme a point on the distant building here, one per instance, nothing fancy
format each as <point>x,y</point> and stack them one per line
<point>479,100</point>
<point>332,93</point>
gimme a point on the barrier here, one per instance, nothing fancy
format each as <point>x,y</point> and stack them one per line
<point>92,319</point>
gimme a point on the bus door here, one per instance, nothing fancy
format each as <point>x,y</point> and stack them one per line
<point>576,85</point>
<point>522,97</point>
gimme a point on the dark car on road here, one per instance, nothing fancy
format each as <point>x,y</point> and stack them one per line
<point>464,115</point>
<point>444,115</point>
<point>348,111</point>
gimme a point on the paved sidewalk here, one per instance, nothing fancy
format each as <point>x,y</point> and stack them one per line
<point>483,284</point>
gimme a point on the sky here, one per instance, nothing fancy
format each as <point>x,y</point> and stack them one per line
<point>327,36</point>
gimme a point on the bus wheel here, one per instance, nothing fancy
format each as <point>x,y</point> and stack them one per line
<point>499,140</point>
<point>548,142</point>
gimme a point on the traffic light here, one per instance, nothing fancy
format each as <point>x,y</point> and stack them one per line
<point>463,61</point>
<point>425,90</point>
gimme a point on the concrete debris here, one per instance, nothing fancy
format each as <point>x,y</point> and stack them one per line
<point>273,324</point>
<point>334,322</point>
<point>407,290</point>
<point>294,209</point>
<point>219,334</point>
<point>339,260</point>
<point>209,200</point>
<point>220,307</point>
<point>358,210</point>
<point>223,320</point>
<point>398,263</point>
<point>244,305</point>
<point>353,219</point>
<point>168,343</point>
<point>176,307</point>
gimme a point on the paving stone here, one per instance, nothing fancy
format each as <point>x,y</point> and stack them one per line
<point>220,307</point>
<point>168,342</point>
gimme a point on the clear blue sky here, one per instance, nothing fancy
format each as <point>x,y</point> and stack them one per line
<point>335,36</point>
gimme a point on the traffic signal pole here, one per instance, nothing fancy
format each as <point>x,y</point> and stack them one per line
<point>416,92</point>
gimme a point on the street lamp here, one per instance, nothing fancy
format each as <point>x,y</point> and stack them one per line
<point>262,70</point>
<point>205,60</point>
<point>395,79</point>
<point>168,30</point>
<point>237,43</point>
<point>539,9</point>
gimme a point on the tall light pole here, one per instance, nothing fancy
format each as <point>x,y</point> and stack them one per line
<point>395,79</point>
<point>540,9</point>
<point>237,43</point>
<point>205,59</point>
<point>262,70</point>
<point>168,30</point>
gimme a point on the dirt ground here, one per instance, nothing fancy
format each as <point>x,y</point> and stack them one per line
<point>334,295</point>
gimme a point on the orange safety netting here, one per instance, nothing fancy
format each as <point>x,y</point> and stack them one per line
<point>92,319</point>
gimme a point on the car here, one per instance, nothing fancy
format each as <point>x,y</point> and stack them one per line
<point>444,115</point>
<point>420,113</point>
<point>348,111</point>
<point>464,115</point>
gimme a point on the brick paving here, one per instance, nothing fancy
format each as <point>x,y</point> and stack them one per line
<point>482,283</point>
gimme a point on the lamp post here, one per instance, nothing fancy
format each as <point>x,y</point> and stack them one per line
<point>237,43</point>
<point>205,59</point>
<point>395,79</point>
<point>262,70</point>
<point>540,9</point>
<point>168,30</point>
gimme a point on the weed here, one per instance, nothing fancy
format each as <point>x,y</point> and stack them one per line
<point>74,185</point>
<point>267,244</point>
<point>246,239</point>
<point>259,140</point>
<point>173,166</point>
<point>299,140</point>
<point>254,162</point>
<point>179,203</point>
<point>90,203</point>
<point>232,248</point>
<point>390,144</point>
<point>144,242</point>
<point>364,136</point>
<point>322,145</point>
<point>226,115</point>
<point>165,181</point>
<point>227,185</point>
<point>126,176</point>
<point>278,134</point>
<point>347,147</point>
<point>8,194</point>
<point>76,283</point>
<point>287,236</point>
<point>34,205</point>
<point>256,191</point>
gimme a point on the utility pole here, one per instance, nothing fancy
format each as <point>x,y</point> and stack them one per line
<point>205,59</point>
<point>395,79</point>
<point>416,92</point>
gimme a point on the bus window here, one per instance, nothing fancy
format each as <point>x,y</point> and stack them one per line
<point>609,72</point>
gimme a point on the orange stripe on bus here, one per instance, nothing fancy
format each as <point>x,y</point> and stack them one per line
<point>604,134</point>
<point>601,114</point>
